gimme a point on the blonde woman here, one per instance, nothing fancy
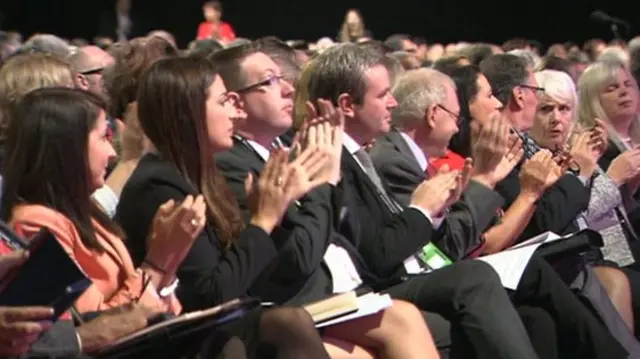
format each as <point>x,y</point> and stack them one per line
<point>608,92</point>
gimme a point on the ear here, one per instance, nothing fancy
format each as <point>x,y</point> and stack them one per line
<point>82,82</point>
<point>430,116</point>
<point>517,97</point>
<point>238,105</point>
<point>346,104</point>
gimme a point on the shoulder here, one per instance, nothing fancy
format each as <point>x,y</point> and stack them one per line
<point>152,169</point>
<point>28,219</point>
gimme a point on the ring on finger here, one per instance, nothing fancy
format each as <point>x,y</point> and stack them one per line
<point>279,181</point>
<point>194,222</point>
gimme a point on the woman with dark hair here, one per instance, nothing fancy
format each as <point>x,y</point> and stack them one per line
<point>57,151</point>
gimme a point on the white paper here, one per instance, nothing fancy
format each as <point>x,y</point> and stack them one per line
<point>511,263</point>
<point>541,238</point>
<point>368,304</point>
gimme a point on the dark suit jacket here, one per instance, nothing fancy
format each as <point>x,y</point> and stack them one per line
<point>556,210</point>
<point>300,274</point>
<point>383,239</point>
<point>461,232</point>
<point>210,274</point>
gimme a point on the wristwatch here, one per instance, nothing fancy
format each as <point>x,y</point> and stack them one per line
<point>168,290</point>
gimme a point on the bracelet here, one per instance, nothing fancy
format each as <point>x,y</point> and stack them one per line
<point>154,266</point>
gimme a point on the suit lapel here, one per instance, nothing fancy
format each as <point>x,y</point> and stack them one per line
<point>403,147</point>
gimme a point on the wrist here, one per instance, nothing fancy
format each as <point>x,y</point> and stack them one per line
<point>529,196</point>
<point>267,224</point>
<point>156,276</point>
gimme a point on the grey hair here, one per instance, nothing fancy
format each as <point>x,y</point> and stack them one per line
<point>614,55</point>
<point>341,70</point>
<point>48,43</point>
<point>416,91</point>
<point>529,57</point>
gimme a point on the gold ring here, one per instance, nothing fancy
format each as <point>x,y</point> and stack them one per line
<point>194,222</point>
<point>279,181</point>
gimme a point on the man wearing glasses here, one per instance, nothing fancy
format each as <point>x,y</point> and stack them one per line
<point>88,62</point>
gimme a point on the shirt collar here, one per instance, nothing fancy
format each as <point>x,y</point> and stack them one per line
<point>417,152</point>
<point>260,150</point>
<point>351,144</point>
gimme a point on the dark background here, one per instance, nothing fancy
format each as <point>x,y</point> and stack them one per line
<point>441,20</point>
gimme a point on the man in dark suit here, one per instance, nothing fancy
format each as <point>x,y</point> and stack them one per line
<point>450,290</point>
<point>388,235</point>
<point>401,156</point>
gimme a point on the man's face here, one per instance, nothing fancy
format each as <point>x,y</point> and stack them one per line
<point>374,113</point>
<point>445,118</point>
<point>267,97</point>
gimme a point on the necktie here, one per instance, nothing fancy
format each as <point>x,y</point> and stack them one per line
<point>370,171</point>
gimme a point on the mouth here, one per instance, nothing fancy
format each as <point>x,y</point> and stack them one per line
<point>288,109</point>
<point>626,103</point>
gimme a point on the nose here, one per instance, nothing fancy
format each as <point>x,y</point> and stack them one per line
<point>497,104</point>
<point>286,88</point>
<point>391,102</point>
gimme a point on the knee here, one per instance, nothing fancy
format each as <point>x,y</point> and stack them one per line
<point>288,319</point>
<point>404,315</point>
<point>478,274</point>
<point>614,280</point>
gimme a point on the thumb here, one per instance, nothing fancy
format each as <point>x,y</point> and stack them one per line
<point>166,207</point>
<point>444,169</point>
<point>248,183</point>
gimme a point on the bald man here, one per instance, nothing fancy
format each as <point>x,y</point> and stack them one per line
<point>88,62</point>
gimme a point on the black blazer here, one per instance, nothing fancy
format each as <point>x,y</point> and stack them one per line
<point>383,239</point>
<point>210,274</point>
<point>460,235</point>
<point>556,210</point>
<point>300,274</point>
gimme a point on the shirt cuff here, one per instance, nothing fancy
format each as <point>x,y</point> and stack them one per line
<point>436,221</point>
<point>107,199</point>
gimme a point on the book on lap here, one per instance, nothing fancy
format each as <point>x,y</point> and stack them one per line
<point>346,306</point>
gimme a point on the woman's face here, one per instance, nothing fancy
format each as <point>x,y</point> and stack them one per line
<point>353,18</point>
<point>100,152</point>
<point>485,105</point>
<point>220,112</point>
<point>553,122</point>
<point>619,99</point>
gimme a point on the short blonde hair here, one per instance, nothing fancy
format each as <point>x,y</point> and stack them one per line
<point>27,72</point>
<point>301,95</point>
<point>591,84</point>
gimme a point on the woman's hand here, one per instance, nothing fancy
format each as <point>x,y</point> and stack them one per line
<point>174,229</point>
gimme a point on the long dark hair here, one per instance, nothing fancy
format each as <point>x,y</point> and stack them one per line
<point>466,80</point>
<point>172,98</point>
<point>46,158</point>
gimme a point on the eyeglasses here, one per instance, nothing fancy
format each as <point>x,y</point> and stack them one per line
<point>93,71</point>
<point>459,118</point>
<point>272,80</point>
<point>536,89</point>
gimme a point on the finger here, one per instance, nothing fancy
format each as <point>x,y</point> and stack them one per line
<point>15,314</point>
<point>248,184</point>
<point>311,111</point>
<point>316,164</point>
<point>23,329</point>
<point>305,156</point>
<point>312,134</point>
<point>444,169</point>
<point>12,260</point>
<point>269,168</point>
